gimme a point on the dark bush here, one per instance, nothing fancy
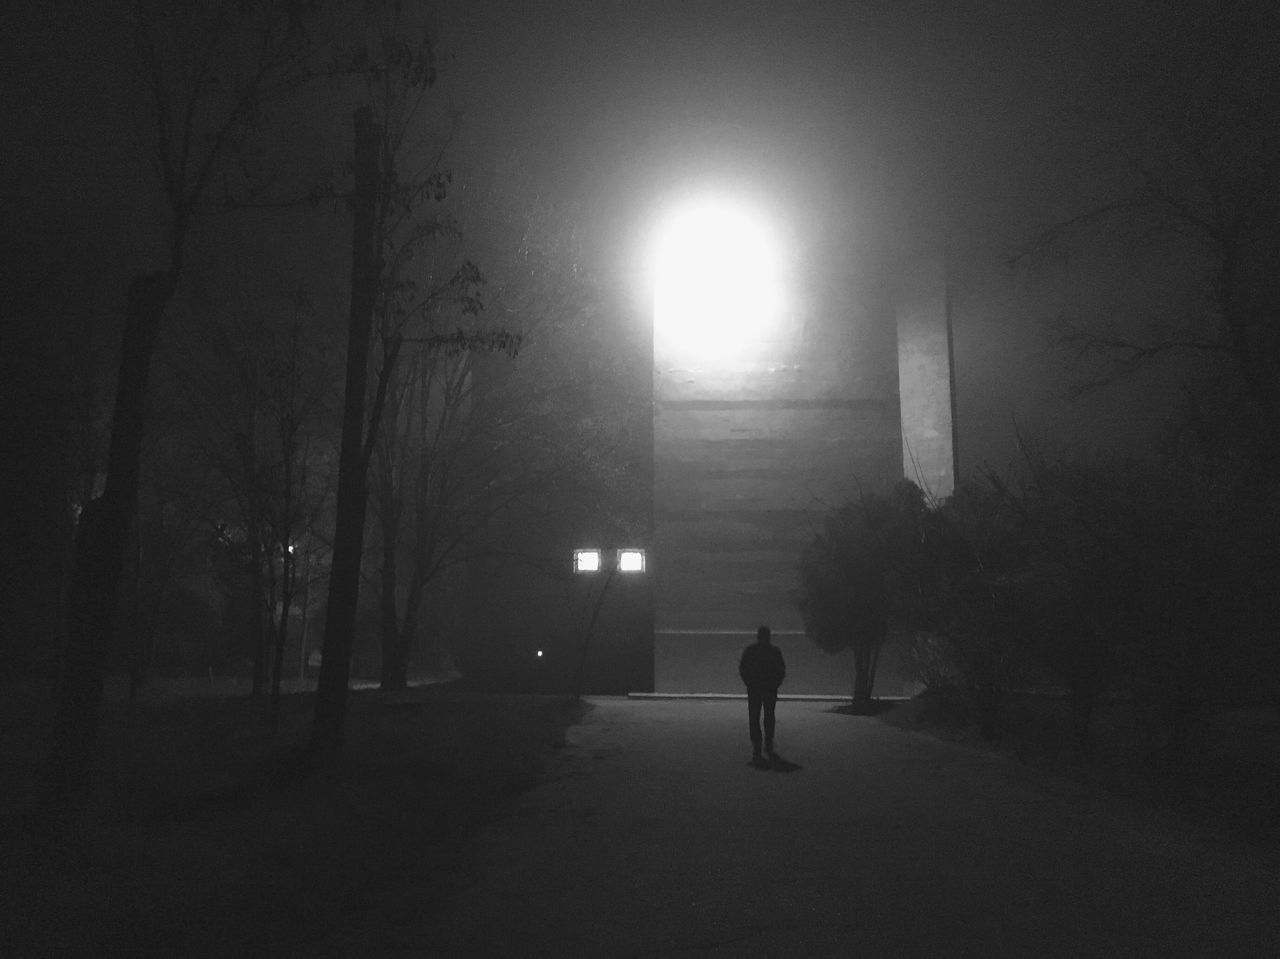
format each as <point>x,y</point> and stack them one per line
<point>853,574</point>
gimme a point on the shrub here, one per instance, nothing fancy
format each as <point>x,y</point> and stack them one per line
<point>853,573</point>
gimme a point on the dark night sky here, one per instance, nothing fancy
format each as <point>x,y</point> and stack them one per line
<point>901,124</point>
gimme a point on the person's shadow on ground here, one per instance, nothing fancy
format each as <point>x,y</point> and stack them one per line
<point>773,763</point>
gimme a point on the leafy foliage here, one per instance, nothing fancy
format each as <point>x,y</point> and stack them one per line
<point>1106,577</point>
<point>1109,578</point>
<point>854,573</point>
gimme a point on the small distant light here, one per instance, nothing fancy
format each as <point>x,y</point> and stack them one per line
<point>631,561</point>
<point>292,548</point>
<point>539,654</point>
<point>586,560</point>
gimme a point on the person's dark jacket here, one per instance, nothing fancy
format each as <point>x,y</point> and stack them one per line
<point>762,667</point>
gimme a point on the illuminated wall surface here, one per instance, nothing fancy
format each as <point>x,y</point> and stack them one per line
<point>925,382</point>
<point>748,458</point>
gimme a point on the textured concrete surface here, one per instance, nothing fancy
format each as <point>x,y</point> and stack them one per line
<point>656,838</point>
<point>925,384</point>
<point>740,487</point>
<point>751,452</point>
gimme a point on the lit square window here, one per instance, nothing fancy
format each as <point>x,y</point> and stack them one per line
<point>586,560</point>
<point>630,561</point>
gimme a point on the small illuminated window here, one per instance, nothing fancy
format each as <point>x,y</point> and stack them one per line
<point>586,560</point>
<point>630,561</point>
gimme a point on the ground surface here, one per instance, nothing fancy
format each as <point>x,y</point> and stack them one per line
<point>209,836</point>
<point>655,837</point>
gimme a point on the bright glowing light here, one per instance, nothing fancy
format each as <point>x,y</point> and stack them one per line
<point>539,654</point>
<point>717,281</point>
<point>586,560</point>
<point>631,561</point>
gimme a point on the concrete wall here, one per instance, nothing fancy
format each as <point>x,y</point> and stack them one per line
<point>747,460</point>
<point>925,376</point>
<point>740,487</point>
<point>517,610</point>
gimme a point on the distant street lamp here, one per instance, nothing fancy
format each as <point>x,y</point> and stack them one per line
<point>629,561</point>
<point>586,560</point>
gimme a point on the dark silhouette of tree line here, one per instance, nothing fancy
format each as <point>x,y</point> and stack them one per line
<point>226,521</point>
<point>1104,579</point>
<point>1154,581</point>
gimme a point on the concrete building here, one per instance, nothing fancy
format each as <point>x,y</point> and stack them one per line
<point>850,392</point>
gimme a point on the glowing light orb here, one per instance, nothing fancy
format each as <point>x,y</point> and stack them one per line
<point>717,281</point>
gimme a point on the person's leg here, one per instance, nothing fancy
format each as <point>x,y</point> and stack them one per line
<point>754,701</point>
<point>770,702</point>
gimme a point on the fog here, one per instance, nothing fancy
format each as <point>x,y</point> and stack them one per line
<point>876,128</point>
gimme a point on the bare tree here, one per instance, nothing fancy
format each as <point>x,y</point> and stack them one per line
<point>471,436</point>
<point>395,222</point>
<point>206,70</point>
<point>301,497</point>
<point>1199,195</point>
<point>254,391</point>
<point>178,504</point>
<point>416,468</point>
<point>50,409</point>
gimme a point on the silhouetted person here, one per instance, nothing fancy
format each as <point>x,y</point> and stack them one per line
<point>762,670</point>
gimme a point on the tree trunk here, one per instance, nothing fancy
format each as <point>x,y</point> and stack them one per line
<point>100,544</point>
<point>258,630</point>
<point>861,682</point>
<point>344,579</point>
<point>865,660</point>
<point>395,665</point>
<point>284,538</point>
<point>136,642</point>
<point>277,669</point>
<point>395,661</point>
<point>306,616</point>
<point>393,676</point>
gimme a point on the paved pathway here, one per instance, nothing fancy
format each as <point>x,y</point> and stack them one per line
<point>656,838</point>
